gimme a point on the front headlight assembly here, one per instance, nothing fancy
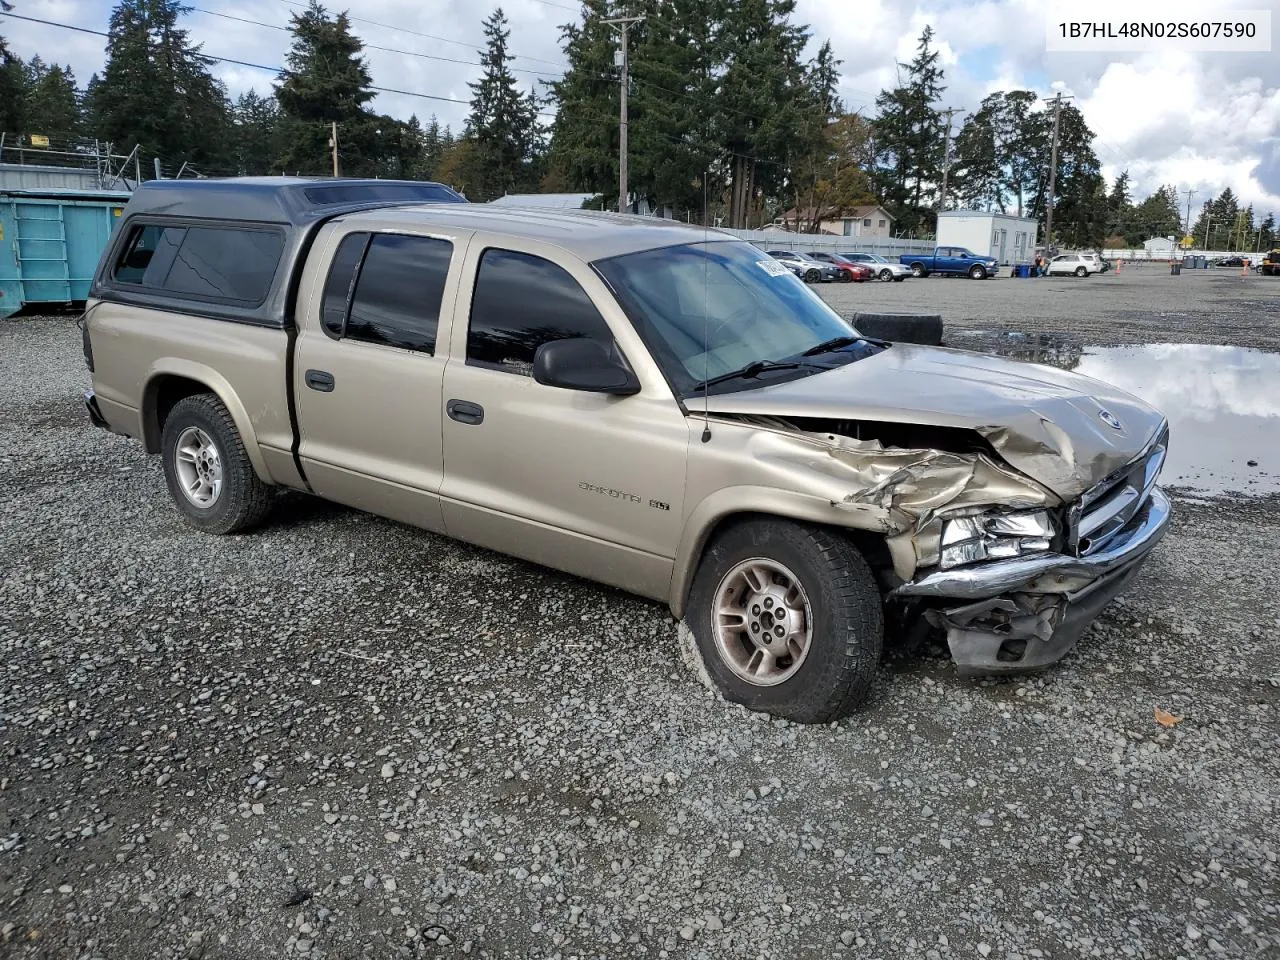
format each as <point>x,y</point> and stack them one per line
<point>994,537</point>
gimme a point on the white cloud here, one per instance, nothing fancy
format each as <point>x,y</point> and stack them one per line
<point>1204,121</point>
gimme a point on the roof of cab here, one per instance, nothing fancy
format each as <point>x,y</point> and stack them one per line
<point>589,234</point>
<point>296,201</point>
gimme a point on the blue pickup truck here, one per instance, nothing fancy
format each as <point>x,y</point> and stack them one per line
<point>952,260</point>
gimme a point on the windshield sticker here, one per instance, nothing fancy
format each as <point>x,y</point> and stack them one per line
<point>773,268</point>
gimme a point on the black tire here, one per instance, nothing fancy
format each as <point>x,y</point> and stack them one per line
<point>846,276</point>
<point>918,270</point>
<point>977,272</point>
<point>243,500</point>
<point>812,276</point>
<point>1082,271</point>
<point>847,619</point>
<point>923,328</point>
<point>886,275</point>
<point>898,279</point>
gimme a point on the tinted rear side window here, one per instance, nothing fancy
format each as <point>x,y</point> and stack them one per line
<point>226,264</point>
<point>208,263</point>
<point>341,281</point>
<point>398,292</point>
<point>521,302</point>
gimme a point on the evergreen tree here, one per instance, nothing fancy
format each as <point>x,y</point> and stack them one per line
<point>673,159</point>
<point>584,134</point>
<point>326,81</point>
<point>767,105</point>
<point>997,151</point>
<point>13,85</point>
<point>156,90</point>
<point>1119,208</point>
<point>909,138</point>
<point>257,120</point>
<point>1079,192</point>
<point>1267,232</point>
<point>979,173</point>
<point>1156,216</point>
<point>1218,222</point>
<point>52,100</point>
<point>503,121</point>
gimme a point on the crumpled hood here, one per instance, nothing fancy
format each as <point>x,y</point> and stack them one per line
<point>1050,424</point>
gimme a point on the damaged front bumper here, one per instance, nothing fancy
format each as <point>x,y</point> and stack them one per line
<point>1019,615</point>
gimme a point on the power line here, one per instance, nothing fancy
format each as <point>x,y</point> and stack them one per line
<point>370,46</point>
<point>243,63</point>
<point>416,33</point>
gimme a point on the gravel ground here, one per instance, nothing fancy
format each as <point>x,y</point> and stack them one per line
<point>343,737</point>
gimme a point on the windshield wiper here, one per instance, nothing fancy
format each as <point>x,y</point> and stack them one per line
<point>750,371</point>
<point>826,346</point>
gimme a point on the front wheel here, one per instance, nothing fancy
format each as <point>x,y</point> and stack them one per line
<point>886,275</point>
<point>209,475</point>
<point>977,273</point>
<point>1082,272</point>
<point>917,270</point>
<point>812,276</point>
<point>787,620</point>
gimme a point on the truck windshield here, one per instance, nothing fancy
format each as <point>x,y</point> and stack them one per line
<point>709,310</point>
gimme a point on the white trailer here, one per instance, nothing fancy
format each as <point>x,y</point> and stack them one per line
<point>1008,238</point>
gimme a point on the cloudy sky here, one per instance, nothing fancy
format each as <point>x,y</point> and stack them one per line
<point>1200,121</point>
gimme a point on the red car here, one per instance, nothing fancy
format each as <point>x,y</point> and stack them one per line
<point>849,270</point>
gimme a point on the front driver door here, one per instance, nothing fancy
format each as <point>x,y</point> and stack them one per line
<point>585,482</point>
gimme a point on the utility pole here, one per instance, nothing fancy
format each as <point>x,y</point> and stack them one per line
<point>1190,193</point>
<point>946,158</point>
<point>333,143</point>
<point>621,60</point>
<point>1053,172</point>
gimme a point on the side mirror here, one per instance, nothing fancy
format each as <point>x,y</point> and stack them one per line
<point>580,363</point>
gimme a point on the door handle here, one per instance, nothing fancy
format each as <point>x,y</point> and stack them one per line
<point>464,411</point>
<point>321,380</point>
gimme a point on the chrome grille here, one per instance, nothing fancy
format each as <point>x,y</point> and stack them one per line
<point>1107,508</point>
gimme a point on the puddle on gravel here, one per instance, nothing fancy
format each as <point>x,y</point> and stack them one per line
<point>1223,403</point>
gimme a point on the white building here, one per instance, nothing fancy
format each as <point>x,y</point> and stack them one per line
<point>1008,238</point>
<point>1159,247</point>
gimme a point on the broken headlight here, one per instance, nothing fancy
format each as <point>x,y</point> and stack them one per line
<point>994,536</point>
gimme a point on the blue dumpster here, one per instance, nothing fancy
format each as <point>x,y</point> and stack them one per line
<point>1022,270</point>
<point>50,242</point>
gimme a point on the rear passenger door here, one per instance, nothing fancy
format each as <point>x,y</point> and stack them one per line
<point>368,374</point>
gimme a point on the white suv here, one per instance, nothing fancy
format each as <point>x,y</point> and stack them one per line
<point>1080,264</point>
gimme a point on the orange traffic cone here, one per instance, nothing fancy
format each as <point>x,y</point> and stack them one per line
<point>1244,268</point>
<point>1119,264</point>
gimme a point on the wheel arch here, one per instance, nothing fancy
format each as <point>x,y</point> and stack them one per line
<point>732,506</point>
<point>173,379</point>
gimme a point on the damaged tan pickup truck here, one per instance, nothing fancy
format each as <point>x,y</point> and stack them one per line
<point>664,409</point>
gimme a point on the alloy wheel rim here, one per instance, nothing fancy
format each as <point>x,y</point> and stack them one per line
<point>198,466</point>
<point>762,621</point>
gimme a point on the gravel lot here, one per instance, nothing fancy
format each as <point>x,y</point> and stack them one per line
<point>343,737</point>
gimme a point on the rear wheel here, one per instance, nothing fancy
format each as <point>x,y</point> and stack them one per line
<point>886,275</point>
<point>1082,271</point>
<point>977,272</point>
<point>917,270</point>
<point>787,620</point>
<point>209,475</point>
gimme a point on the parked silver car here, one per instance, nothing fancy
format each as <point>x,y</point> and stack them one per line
<point>885,269</point>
